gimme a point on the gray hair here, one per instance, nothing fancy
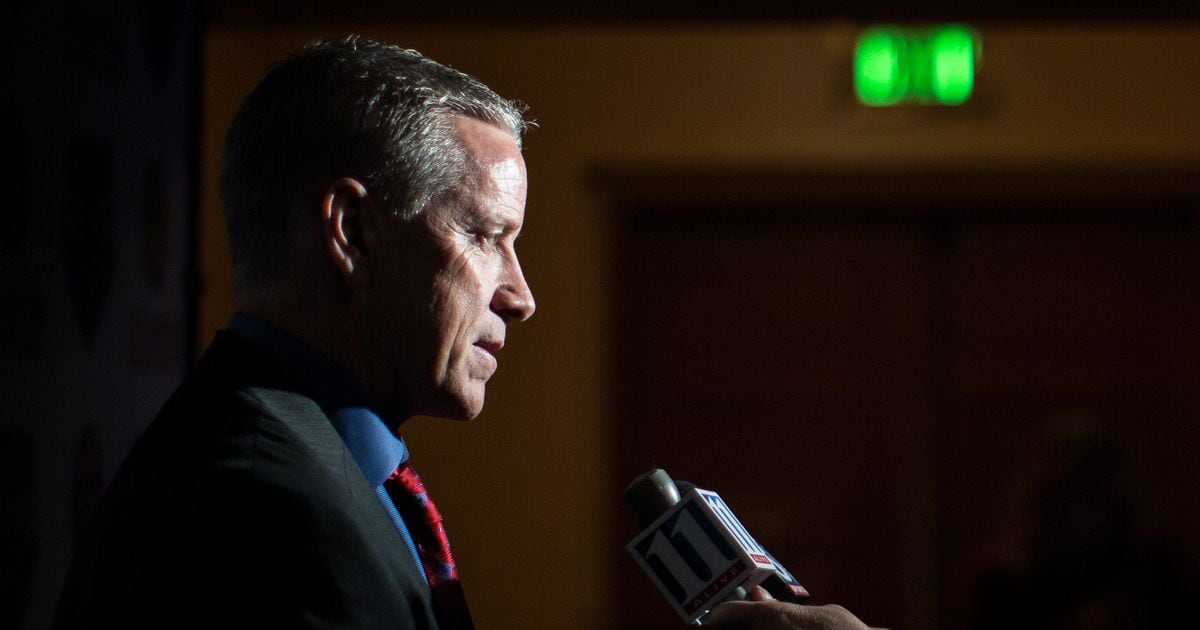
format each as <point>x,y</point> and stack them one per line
<point>349,107</point>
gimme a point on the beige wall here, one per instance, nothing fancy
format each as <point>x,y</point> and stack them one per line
<point>538,552</point>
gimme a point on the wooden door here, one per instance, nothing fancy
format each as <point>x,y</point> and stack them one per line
<point>861,378</point>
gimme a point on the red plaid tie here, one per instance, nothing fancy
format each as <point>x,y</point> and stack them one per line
<point>424,522</point>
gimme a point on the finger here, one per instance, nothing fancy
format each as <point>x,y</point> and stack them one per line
<point>783,616</point>
<point>759,594</point>
<point>828,617</point>
<point>737,615</point>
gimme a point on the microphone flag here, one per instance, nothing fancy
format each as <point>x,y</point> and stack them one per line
<point>698,552</point>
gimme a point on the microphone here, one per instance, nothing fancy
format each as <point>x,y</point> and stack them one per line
<point>782,585</point>
<point>696,551</point>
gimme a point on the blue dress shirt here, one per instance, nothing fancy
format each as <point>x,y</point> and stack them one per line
<point>373,446</point>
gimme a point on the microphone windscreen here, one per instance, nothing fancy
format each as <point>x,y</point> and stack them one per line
<point>651,495</point>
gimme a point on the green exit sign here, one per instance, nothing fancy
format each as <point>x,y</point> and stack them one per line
<point>934,65</point>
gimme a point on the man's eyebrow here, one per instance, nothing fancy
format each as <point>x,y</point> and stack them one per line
<point>501,220</point>
<point>477,219</point>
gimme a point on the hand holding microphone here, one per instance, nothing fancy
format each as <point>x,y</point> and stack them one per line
<point>696,551</point>
<point>775,615</point>
<point>699,555</point>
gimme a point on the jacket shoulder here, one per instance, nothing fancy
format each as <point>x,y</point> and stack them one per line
<point>241,495</point>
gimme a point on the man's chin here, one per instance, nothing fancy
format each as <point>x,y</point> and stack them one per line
<point>453,399</point>
<point>462,413</point>
<point>463,406</point>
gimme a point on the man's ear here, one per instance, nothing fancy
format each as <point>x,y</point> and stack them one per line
<point>343,215</point>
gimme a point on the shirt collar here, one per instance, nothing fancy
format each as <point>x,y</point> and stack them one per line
<point>350,408</point>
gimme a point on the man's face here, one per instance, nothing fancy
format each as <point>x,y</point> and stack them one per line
<point>452,283</point>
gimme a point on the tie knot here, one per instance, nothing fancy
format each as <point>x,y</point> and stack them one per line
<point>413,494</point>
<point>405,477</point>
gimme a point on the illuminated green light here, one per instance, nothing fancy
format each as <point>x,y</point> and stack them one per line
<point>879,74</point>
<point>953,55</point>
<point>936,65</point>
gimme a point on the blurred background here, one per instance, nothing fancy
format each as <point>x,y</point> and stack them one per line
<point>941,360</point>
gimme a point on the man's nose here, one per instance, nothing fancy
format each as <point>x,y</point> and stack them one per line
<point>513,299</point>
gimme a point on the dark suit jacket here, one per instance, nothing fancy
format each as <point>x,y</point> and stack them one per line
<point>241,507</point>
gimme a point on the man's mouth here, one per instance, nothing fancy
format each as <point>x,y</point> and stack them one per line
<point>492,346</point>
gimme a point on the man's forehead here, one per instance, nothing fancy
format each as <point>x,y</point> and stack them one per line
<point>506,173</point>
<point>495,185</point>
<point>486,142</point>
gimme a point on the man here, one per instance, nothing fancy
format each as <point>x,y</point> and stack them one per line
<point>373,199</point>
